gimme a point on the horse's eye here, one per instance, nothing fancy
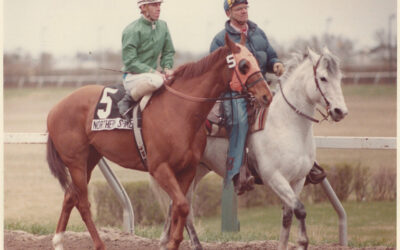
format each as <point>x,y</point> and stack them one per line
<point>243,66</point>
<point>323,79</point>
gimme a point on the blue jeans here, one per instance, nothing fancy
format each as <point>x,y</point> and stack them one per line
<point>237,125</point>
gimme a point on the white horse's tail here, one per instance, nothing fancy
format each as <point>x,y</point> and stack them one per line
<point>161,196</point>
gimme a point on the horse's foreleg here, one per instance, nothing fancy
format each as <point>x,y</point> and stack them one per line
<point>194,239</point>
<point>283,189</point>
<point>180,206</point>
<point>287,216</point>
<point>300,213</point>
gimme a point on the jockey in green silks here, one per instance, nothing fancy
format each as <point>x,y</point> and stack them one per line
<point>236,109</point>
<point>143,42</point>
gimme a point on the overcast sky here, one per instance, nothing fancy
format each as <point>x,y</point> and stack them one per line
<point>63,27</point>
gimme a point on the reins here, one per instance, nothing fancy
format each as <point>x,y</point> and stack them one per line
<point>194,98</point>
<point>206,99</point>
<point>201,99</point>
<point>325,116</point>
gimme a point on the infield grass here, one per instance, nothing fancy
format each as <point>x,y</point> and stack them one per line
<point>369,224</point>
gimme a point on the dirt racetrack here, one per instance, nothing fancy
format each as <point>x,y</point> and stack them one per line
<point>116,240</point>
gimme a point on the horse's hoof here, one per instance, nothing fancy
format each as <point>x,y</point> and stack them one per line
<point>303,245</point>
<point>100,246</point>
<point>198,247</point>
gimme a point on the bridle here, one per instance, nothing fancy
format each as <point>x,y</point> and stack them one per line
<point>328,104</point>
<point>231,64</point>
<point>325,116</point>
<point>251,84</point>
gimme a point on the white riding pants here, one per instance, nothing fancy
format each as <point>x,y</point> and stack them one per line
<point>139,85</point>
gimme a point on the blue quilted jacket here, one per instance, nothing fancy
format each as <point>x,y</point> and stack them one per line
<point>257,43</point>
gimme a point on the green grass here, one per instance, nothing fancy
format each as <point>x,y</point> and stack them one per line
<point>369,224</point>
<point>39,229</point>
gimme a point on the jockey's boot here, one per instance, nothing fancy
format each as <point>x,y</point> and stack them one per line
<point>125,106</point>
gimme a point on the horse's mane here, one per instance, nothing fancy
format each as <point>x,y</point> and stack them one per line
<point>291,64</point>
<point>329,61</point>
<point>193,69</point>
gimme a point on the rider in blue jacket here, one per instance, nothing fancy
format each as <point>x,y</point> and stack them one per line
<point>236,109</point>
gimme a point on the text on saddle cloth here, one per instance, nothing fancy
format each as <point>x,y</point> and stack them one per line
<point>107,115</point>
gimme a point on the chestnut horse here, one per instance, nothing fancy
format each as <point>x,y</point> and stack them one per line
<point>172,130</point>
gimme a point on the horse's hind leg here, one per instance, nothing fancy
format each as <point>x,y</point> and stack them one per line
<point>194,239</point>
<point>79,177</point>
<point>71,200</point>
<point>167,228</point>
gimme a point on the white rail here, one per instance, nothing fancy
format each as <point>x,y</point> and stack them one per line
<point>338,142</point>
<point>342,142</point>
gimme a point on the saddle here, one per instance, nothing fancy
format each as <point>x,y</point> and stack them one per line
<point>215,123</point>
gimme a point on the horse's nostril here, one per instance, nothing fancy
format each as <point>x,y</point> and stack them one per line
<point>338,111</point>
<point>266,100</point>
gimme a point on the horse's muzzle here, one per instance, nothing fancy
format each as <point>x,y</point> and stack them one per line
<point>338,114</point>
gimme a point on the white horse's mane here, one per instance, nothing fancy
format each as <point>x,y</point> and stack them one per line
<point>296,59</point>
<point>329,61</point>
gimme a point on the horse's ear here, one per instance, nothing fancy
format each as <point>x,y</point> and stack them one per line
<point>243,39</point>
<point>325,50</point>
<point>313,56</point>
<point>231,45</point>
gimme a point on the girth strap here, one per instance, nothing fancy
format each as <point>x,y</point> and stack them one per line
<point>137,131</point>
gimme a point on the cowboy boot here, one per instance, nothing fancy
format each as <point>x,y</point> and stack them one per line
<point>250,180</point>
<point>238,185</point>
<point>246,179</point>
<point>124,106</point>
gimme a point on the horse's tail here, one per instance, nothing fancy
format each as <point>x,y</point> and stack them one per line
<point>56,165</point>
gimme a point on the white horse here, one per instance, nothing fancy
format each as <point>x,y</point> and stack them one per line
<point>284,152</point>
